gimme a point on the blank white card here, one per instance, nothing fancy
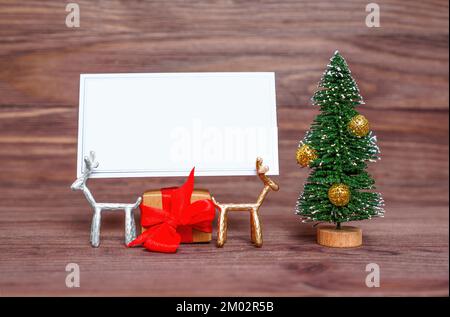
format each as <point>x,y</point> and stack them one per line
<point>147,125</point>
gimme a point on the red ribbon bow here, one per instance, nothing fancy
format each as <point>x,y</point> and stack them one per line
<point>168,227</point>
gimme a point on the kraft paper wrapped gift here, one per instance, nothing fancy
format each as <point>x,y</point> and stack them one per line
<point>154,198</point>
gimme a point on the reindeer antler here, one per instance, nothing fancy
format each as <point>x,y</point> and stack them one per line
<point>90,162</point>
<point>262,170</point>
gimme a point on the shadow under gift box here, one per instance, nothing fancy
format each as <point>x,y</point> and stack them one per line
<point>154,198</point>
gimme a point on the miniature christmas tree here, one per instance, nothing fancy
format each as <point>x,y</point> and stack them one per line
<point>337,148</point>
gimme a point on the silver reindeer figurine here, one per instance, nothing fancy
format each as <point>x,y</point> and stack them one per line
<point>80,184</point>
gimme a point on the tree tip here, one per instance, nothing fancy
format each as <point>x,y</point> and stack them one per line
<point>336,55</point>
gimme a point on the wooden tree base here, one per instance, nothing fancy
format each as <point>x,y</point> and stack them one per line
<point>346,237</point>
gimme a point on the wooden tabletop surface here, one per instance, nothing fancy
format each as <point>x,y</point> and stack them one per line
<point>401,68</point>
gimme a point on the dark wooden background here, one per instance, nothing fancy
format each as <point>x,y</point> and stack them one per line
<point>402,71</point>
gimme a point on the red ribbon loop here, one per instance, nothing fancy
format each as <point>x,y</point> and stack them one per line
<point>166,228</point>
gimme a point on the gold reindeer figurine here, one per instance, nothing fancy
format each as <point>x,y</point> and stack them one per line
<point>255,223</point>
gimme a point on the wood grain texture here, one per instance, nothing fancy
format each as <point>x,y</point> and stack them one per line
<point>402,71</point>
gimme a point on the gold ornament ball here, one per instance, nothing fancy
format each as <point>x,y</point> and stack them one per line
<point>359,126</point>
<point>305,155</point>
<point>339,195</point>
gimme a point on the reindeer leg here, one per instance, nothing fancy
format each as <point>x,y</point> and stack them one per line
<point>252,227</point>
<point>256,228</point>
<point>133,225</point>
<point>130,226</point>
<point>222,227</point>
<point>95,227</point>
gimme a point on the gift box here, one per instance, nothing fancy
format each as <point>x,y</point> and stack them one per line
<point>175,215</point>
<point>161,199</point>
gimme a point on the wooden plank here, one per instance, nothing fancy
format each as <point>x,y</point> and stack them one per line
<point>400,65</point>
<point>414,158</point>
<point>412,254</point>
